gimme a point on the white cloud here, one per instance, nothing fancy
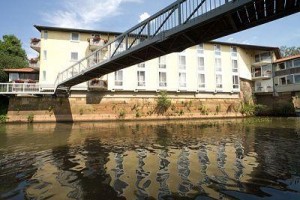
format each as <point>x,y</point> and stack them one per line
<point>144,16</point>
<point>84,14</point>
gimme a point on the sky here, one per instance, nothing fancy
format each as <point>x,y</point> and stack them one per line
<point>18,17</point>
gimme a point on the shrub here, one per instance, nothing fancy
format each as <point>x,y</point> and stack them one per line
<point>218,108</point>
<point>284,109</point>
<point>163,103</point>
<point>3,119</point>
<point>122,114</point>
<point>203,110</point>
<point>30,118</point>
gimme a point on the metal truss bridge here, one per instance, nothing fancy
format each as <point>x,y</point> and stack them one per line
<point>182,24</point>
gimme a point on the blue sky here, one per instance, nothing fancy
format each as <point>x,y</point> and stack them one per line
<point>18,17</point>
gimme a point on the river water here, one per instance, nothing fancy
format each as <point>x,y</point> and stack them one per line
<point>257,158</point>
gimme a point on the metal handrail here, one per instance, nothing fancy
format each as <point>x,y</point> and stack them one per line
<point>179,12</point>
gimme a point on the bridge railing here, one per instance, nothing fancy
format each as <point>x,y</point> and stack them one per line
<point>176,14</point>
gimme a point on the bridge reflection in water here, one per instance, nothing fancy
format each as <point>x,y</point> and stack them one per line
<point>151,161</point>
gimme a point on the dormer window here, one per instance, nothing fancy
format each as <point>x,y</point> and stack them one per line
<point>74,36</point>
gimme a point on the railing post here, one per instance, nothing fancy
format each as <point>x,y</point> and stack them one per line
<point>179,13</point>
<point>126,41</point>
<point>148,29</point>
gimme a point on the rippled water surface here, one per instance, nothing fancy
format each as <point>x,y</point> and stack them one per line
<point>229,159</point>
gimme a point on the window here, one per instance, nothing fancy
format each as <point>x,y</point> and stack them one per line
<point>257,71</point>
<point>182,79</point>
<point>74,56</point>
<point>265,56</point>
<point>233,51</point>
<point>141,78</point>
<point>257,58</point>
<point>282,80</point>
<point>200,49</point>
<point>297,78</point>
<point>162,62</point>
<point>297,63</point>
<point>162,79</point>
<point>182,62</point>
<point>259,88</point>
<point>13,76</point>
<point>290,79</point>
<point>235,82</point>
<point>45,54</point>
<point>200,63</point>
<point>218,65</point>
<point>44,76</point>
<point>217,50</point>
<point>119,78</point>
<point>219,81</point>
<point>201,80</point>
<point>45,35</point>
<point>289,64</point>
<point>74,36</point>
<point>281,66</point>
<point>235,66</point>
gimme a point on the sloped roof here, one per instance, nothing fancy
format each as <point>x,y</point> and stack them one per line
<point>287,58</point>
<point>22,70</point>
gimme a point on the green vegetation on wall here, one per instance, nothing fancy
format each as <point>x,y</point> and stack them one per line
<point>163,103</point>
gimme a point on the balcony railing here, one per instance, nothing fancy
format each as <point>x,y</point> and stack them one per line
<point>262,74</point>
<point>259,89</point>
<point>35,44</point>
<point>96,43</point>
<point>34,65</point>
<point>26,88</point>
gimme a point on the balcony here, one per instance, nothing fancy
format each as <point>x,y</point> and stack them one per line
<point>262,72</point>
<point>96,42</point>
<point>34,63</point>
<point>261,89</point>
<point>288,87</point>
<point>36,44</point>
<point>97,85</point>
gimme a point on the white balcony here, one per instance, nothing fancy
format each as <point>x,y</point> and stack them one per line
<point>96,43</point>
<point>288,87</point>
<point>35,44</point>
<point>262,89</point>
<point>262,72</point>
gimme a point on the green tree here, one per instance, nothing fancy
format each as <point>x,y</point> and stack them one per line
<point>11,55</point>
<point>289,51</point>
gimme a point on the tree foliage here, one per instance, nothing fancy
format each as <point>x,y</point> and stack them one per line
<point>11,55</point>
<point>289,51</point>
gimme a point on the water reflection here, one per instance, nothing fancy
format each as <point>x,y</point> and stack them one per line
<point>165,160</point>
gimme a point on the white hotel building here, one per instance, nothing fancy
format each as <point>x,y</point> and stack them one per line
<point>208,69</point>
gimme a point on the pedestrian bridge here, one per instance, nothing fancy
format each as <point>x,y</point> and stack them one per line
<point>182,24</point>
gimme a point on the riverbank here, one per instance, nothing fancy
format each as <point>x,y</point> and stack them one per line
<point>116,108</point>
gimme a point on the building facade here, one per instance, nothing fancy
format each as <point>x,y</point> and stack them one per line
<point>209,68</point>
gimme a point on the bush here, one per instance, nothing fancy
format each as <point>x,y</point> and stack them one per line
<point>163,103</point>
<point>247,109</point>
<point>30,118</point>
<point>283,109</point>
<point>3,119</point>
<point>122,114</point>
